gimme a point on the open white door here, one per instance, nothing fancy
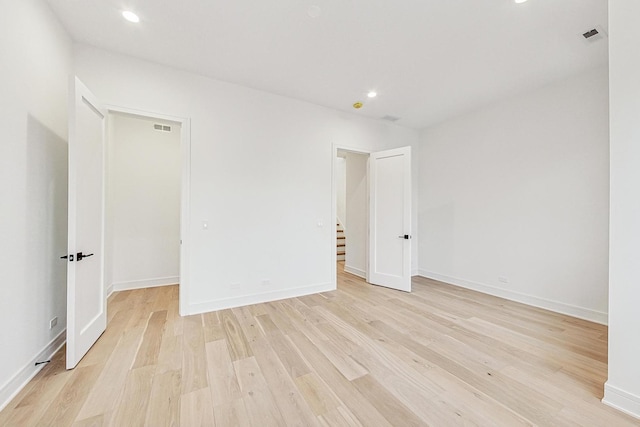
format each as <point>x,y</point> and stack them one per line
<point>86,296</point>
<point>390,219</point>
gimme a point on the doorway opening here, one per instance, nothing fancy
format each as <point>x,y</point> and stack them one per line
<point>352,211</point>
<point>93,238</point>
<point>371,198</point>
<point>142,201</point>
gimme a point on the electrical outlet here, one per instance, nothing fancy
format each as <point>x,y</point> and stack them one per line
<point>503,279</point>
<point>53,322</point>
<point>266,282</point>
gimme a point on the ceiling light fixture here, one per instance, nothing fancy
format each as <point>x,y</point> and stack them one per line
<point>314,11</point>
<point>520,1</point>
<point>130,16</point>
<point>372,94</point>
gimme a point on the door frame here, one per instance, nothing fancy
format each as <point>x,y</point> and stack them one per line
<point>185,190</point>
<point>334,207</point>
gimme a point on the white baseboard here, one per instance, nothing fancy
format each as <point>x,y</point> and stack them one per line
<point>144,283</point>
<point>556,306</point>
<point>240,301</point>
<point>355,271</point>
<point>11,388</point>
<point>621,400</point>
<point>415,272</point>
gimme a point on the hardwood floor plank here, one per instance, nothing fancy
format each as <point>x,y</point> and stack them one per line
<point>65,407</point>
<point>102,349</point>
<point>366,413</point>
<point>48,384</point>
<point>196,409</point>
<point>294,365</point>
<point>467,398</point>
<point>283,322</point>
<point>239,347</point>
<point>380,362</point>
<point>391,408</point>
<point>32,401</point>
<point>248,323</point>
<point>339,417</point>
<point>174,320</point>
<point>223,382</point>
<point>151,339</point>
<point>267,325</point>
<point>164,401</point>
<point>213,329</point>
<point>261,407</point>
<point>359,356</point>
<point>170,353</point>
<point>97,421</point>
<point>337,354</point>
<point>144,307</point>
<point>232,414</point>
<point>113,377</point>
<point>291,403</point>
<point>194,359</point>
<point>164,297</point>
<point>317,394</point>
<point>492,383</point>
<point>134,400</point>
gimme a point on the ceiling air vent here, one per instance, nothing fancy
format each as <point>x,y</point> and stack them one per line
<point>594,34</point>
<point>391,118</point>
<point>162,128</point>
<point>590,33</point>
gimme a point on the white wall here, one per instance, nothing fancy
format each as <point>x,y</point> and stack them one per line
<point>357,213</point>
<point>143,205</point>
<point>261,174</point>
<point>519,190</point>
<point>36,56</point>
<point>622,389</point>
<point>341,188</point>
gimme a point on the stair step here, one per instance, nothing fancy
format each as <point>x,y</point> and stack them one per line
<point>341,245</point>
<point>341,252</point>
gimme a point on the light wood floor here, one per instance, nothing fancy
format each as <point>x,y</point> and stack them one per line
<point>362,355</point>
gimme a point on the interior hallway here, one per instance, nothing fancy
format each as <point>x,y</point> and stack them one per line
<point>362,355</point>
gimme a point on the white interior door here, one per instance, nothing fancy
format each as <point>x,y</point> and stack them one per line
<point>390,218</point>
<point>86,296</point>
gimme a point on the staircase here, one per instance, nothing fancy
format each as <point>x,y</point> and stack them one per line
<point>341,245</point>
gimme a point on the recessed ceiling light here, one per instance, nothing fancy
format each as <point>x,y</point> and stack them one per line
<point>314,11</point>
<point>130,16</point>
<point>520,1</point>
<point>357,105</point>
<point>372,94</point>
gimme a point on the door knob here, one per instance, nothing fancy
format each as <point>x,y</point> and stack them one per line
<point>80,256</point>
<point>405,236</point>
<point>70,257</point>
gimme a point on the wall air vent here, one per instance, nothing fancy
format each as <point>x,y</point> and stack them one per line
<point>391,118</point>
<point>162,128</point>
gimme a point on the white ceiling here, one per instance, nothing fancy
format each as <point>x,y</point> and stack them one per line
<point>427,59</point>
